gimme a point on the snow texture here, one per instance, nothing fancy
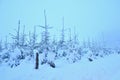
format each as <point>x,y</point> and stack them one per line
<point>106,68</point>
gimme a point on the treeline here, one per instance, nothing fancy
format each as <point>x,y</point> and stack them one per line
<point>25,46</point>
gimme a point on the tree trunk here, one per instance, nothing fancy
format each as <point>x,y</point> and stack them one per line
<point>37,61</point>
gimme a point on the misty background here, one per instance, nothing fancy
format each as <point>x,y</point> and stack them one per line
<point>93,19</point>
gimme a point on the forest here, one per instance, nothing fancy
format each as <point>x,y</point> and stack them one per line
<point>26,46</point>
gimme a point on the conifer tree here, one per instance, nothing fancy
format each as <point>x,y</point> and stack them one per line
<point>1,48</point>
<point>23,37</point>
<point>45,36</point>
<point>6,43</point>
<point>62,33</point>
<point>16,37</point>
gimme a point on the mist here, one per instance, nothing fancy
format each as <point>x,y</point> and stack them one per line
<point>97,20</point>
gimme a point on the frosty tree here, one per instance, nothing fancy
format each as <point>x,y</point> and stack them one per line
<point>1,48</point>
<point>32,38</point>
<point>6,43</point>
<point>16,37</point>
<point>70,39</point>
<point>22,40</point>
<point>62,33</point>
<point>32,41</point>
<point>45,36</point>
<point>75,36</point>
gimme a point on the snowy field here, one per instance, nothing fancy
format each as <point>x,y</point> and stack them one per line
<point>106,68</point>
<point>59,39</point>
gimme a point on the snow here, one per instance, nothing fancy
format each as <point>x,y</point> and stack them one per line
<point>16,52</point>
<point>106,68</point>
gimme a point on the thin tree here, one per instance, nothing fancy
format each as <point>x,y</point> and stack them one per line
<point>32,41</point>
<point>89,43</point>
<point>16,37</point>
<point>70,39</point>
<point>18,34</point>
<point>34,36</point>
<point>62,32</point>
<point>6,43</point>
<point>23,37</point>
<point>75,36</point>
<point>1,48</point>
<point>45,35</point>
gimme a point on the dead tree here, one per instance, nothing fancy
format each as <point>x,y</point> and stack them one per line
<point>37,61</point>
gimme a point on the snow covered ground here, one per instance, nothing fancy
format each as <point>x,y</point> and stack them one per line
<point>106,68</point>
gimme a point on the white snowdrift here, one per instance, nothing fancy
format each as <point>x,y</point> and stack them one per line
<point>107,68</point>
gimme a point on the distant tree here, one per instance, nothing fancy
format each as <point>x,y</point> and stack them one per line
<point>70,39</point>
<point>1,47</point>
<point>75,36</point>
<point>88,43</point>
<point>33,38</point>
<point>32,41</point>
<point>6,43</point>
<point>23,38</point>
<point>18,34</point>
<point>62,40</point>
<point>16,37</point>
<point>84,43</point>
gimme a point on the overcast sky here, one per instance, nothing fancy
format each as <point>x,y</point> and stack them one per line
<point>92,18</point>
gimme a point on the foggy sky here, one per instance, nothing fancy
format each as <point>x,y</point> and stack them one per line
<point>92,18</point>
